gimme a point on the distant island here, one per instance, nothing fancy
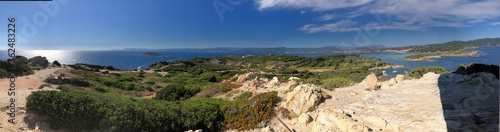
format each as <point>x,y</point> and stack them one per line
<point>152,54</point>
<point>429,56</point>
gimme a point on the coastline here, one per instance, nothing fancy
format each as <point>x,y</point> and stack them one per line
<point>430,56</point>
<point>388,67</point>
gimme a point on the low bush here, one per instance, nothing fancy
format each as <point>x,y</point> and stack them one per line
<point>174,92</point>
<point>89,111</point>
<point>44,85</point>
<point>337,82</point>
<point>258,109</point>
<point>79,81</point>
<point>418,72</point>
<point>78,110</point>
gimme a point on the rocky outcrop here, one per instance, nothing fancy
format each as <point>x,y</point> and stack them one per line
<point>371,82</point>
<point>399,78</point>
<point>245,77</point>
<point>38,62</point>
<point>449,102</point>
<point>273,83</point>
<point>303,98</point>
<point>470,102</point>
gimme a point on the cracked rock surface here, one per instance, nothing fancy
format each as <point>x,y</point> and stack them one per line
<point>434,102</point>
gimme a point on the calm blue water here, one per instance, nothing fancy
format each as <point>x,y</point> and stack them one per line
<point>491,55</point>
<point>135,59</point>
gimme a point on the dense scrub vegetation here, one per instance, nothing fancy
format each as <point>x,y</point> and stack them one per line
<point>418,72</point>
<point>344,69</point>
<point>95,97</point>
<point>76,110</point>
<point>476,68</point>
<point>20,67</point>
<point>247,114</point>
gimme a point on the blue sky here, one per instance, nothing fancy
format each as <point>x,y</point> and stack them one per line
<point>116,24</point>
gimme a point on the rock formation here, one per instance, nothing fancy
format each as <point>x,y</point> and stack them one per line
<point>303,98</point>
<point>245,77</point>
<point>449,102</point>
<point>470,102</point>
<point>399,78</point>
<point>38,62</point>
<point>371,82</point>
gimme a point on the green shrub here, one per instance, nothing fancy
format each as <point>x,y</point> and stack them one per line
<point>261,110</point>
<point>418,72</point>
<point>79,81</point>
<point>208,76</point>
<point>66,88</point>
<point>90,111</point>
<point>44,85</point>
<point>337,82</point>
<point>3,73</point>
<point>174,92</point>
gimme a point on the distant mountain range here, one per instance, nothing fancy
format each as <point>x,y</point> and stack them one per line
<point>439,47</point>
<point>273,50</point>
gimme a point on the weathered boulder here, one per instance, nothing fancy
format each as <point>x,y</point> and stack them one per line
<point>273,83</point>
<point>21,59</point>
<point>247,76</point>
<point>290,86</point>
<point>430,76</point>
<point>399,78</point>
<point>293,78</point>
<point>302,99</point>
<point>305,118</point>
<point>38,62</point>
<point>371,81</point>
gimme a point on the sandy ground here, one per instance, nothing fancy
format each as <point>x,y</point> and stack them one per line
<point>24,86</point>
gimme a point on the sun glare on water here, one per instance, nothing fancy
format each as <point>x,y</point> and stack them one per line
<point>51,55</point>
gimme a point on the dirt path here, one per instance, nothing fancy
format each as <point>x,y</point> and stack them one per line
<point>25,85</point>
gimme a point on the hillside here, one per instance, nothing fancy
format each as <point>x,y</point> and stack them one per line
<point>251,93</point>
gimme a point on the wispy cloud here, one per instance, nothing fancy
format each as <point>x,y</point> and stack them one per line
<point>404,14</point>
<point>314,4</point>
<point>341,26</point>
<point>349,25</point>
<point>326,17</point>
<point>495,23</point>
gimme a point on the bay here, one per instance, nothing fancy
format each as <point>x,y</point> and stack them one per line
<point>135,59</point>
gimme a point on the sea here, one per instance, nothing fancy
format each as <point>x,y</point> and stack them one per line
<point>129,60</point>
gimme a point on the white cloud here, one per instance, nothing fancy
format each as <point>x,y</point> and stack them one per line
<point>404,14</point>
<point>349,25</point>
<point>326,17</point>
<point>341,26</point>
<point>314,4</point>
<point>495,23</point>
<point>303,12</point>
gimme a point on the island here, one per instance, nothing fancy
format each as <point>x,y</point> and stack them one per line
<point>429,56</point>
<point>152,54</point>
